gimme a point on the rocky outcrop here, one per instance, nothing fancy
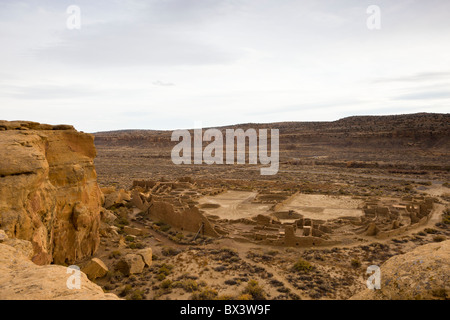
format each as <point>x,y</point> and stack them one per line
<point>423,273</point>
<point>21,279</point>
<point>48,190</point>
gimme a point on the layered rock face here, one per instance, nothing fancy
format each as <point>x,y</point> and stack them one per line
<point>48,190</point>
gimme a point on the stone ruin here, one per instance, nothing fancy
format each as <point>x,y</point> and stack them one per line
<point>175,203</point>
<point>171,203</point>
<point>383,220</point>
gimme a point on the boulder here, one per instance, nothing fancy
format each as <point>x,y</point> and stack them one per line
<point>119,197</point>
<point>107,216</point>
<point>95,269</point>
<point>138,200</point>
<point>130,264</point>
<point>107,230</point>
<point>146,255</point>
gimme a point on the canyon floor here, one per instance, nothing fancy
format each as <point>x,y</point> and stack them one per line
<point>330,173</point>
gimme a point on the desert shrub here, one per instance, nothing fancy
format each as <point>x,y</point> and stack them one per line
<point>244,297</point>
<point>115,254</point>
<point>163,271</point>
<point>179,236</point>
<point>294,296</point>
<point>302,266</point>
<point>440,293</point>
<point>276,283</point>
<point>439,238</point>
<point>161,276</point>
<point>255,290</point>
<point>129,238</point>
<point>446,216</point>
<point>137,295</point>
<point>140,245</point>
<point>122,221</point>
<point>165,268</point>
<point>190,285</point>
<point>169,251</point>
<point>283,290</point>
<point>164,227</point>
<point>202,283</point>
<point>166,284</point>
<point>136,245</point>
<point>231,282</point>
<point>430,231</point>
<point>220,268</point>
<point>125,291</point>
<point>205,294</point>
<point>272,252</point>
<point>355,263</point>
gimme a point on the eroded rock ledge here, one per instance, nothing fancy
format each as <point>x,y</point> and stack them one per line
<point>48,190</point>
<point>421,274</point>
<point>21,279</point>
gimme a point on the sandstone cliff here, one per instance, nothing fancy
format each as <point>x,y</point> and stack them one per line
<point>21,279</point>
<point>423,273</point>
<point>48,190</point>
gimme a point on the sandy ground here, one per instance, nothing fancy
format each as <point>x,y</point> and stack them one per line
<point>234,205</point>
<point>238,204</point>
<point>323,206</point>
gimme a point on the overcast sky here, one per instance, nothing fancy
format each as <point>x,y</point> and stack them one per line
<point>166,64</point>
